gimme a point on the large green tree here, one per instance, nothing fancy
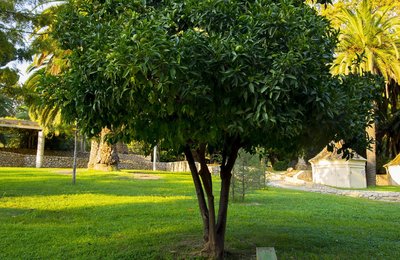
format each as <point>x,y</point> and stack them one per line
<point>196,75</point>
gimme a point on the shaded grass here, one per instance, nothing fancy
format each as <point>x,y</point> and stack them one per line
<point>117,216</point>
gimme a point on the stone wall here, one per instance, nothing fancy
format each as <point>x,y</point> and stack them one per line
<point>127,161</point>
<point>135,162</point>
<point>138,162</point>
<point>9,159</point>
<point>181,166</point>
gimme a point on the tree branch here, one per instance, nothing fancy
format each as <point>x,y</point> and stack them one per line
<point>230,155</point>
<point>21,31</point>
<point>199,191</point>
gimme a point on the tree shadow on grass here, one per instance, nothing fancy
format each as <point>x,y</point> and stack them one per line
<point>315,226</point>
<point>172,230</point>
<point>124,231</point>
<point>299,225</point>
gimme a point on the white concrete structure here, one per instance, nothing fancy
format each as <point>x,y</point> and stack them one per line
<point>393,171</point>
<point>329,168</point>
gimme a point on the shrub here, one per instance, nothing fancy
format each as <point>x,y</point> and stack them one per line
<point>248,174</point>
<point>280,165</point>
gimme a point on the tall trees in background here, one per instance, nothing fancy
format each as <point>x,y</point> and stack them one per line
<point>15,20</point>
<point>48,62</point>
<point>369,41</point>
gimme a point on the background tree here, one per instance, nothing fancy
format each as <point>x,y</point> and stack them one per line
<point>202,74</point>
<point>369,41</point>
<point>247,174</point>
<point>50,60</point>
<point>17,21</point>
<point>13,20</point>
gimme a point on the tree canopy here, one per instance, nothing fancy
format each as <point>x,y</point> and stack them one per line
<point>49,59</point>
<point>10,38</point>
<point>369,41</point>
<point>371,37</point>
<point>199,64</point>
<point>17,18</point>
<point>201,74</point>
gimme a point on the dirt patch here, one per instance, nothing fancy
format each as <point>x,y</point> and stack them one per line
<point>137,176</point>
<point>65,172</point>
<point>144,176</point>
<point>188,248</point>
<point>305,176</point>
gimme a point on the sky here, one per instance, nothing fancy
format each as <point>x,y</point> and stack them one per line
<point>21,67</point>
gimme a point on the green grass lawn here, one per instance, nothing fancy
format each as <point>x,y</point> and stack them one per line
<point>119,216</point>
<point>385,188</point>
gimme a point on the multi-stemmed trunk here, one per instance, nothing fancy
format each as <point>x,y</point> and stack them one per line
<point>214,226</point>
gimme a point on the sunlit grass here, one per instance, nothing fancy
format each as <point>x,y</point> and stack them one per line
<point>61,202</point>
<point>386,188</point>
<point>377,188</point>
<point>119,215</point>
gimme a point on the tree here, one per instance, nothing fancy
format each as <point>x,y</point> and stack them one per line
<point>196,75</point>
<point>17,20</point>
<point>369,41</point>
<point>8,79</point>
<point>50,60</point>
<point>247,174</point>
<point>12,18</point>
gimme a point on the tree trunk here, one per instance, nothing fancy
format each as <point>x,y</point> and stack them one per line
<point>94,148</point>
<point>222,213</point>
<point>103,156</point>
<point>213,228</point>
<point>199,192</point>
<point>75,156</point>
<point>228,161</point>
<point>371,158</point>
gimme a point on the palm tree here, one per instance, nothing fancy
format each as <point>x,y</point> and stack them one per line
<point>41,109</point>
<point>51,62</point>
<point>103,156</point>
<point>369,41</point>
<point>370,37</point>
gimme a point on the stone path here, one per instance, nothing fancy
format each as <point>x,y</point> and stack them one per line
<point>296,184</point>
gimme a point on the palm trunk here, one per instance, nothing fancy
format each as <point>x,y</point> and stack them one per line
<point>103,156</point>
<point>371,158</point>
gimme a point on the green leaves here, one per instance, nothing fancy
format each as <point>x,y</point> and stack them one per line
<point>204,71</point>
